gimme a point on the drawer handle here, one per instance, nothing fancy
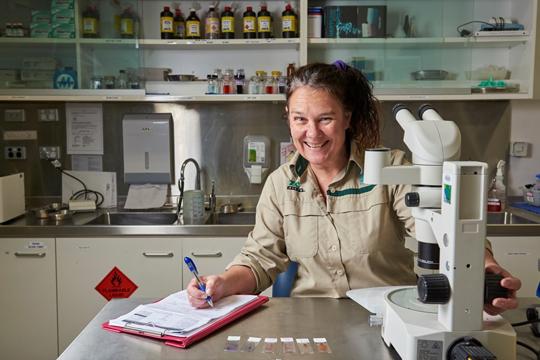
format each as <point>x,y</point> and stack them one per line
<point>158,254</point>
<point>29,254</point>
<point>218,254</point>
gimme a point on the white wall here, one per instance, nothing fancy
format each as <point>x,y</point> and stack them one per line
<point>525,126</point>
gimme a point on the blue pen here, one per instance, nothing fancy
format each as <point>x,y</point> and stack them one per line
<point>200,284</point>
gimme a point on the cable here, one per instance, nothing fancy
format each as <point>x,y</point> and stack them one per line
<point>529,347</point>
<point>98,197</point>
<point>465,32</point>
<point>535,321</point>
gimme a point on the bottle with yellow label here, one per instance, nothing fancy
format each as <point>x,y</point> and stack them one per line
<point>166,23</point>
<point>179,25</point>
<point>227,23</point>
<point>264,23</point>
<point>90,22</point>
<point>127,23</point>
<point>249,23</point>
<point>289,22</point>
<point>193,25</point>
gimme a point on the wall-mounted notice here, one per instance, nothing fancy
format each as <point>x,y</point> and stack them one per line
<point>84,129</point>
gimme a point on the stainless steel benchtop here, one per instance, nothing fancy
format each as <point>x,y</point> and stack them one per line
<point>341,321</point>
<point>29,226</point>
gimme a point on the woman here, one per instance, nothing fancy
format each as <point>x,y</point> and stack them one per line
<point>317,211</point>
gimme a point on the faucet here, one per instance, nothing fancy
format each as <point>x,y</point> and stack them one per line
<point>181,181</point>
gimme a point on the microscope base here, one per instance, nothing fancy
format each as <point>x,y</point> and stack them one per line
<point>415,333</point>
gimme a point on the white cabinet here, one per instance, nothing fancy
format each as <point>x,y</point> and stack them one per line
<point>28,299</point>
<point>520,255</point>
<point>211,255</point>
<point>153,264</point>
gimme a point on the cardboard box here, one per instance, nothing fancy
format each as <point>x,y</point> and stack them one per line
<point>355,21</point>
<point>41,16</point>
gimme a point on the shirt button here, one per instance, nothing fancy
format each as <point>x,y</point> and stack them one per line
<point>340,272</point>
<point>333,248</point>
<point>331,189</point>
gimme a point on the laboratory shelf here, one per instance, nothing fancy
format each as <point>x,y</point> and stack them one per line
<point>217,44</point>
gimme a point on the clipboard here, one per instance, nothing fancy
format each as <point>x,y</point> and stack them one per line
<point>185,341</point>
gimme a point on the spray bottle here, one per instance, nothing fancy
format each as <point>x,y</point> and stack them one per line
<point>497,190</point>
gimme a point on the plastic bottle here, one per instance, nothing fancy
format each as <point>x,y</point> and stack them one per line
<point>497,191</point>
<point>289,22</point>
<point>127,23</point>
<point>249,23</point>
<point>179,25</point>
<point>227,23</point>
<point>211,24</point>
<point>264,21</point>
<point>166,21</point>
<point>90,22</point>
<point>193,25</point>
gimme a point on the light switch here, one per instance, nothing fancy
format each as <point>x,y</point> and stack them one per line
<point>519,148</point>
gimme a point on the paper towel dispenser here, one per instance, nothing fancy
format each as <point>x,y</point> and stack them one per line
<point>148,148</point>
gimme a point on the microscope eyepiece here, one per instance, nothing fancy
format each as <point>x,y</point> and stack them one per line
<point>397,108</point>
<point>423,108</point>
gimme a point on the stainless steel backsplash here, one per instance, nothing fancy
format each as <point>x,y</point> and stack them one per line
<point>213,133</point>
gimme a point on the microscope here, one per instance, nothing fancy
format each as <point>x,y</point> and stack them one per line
<point>442,317</point>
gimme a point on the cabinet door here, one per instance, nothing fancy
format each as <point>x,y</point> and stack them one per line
<point>153,264</point>
<point>211,255</point>
<point>28,299</point>
<point>521,257</point>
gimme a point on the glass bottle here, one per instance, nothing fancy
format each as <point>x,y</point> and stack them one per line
<point>261,81</point>
<point>211,24</point>
<point>127,23</point>
<point>166,21</point>
<point>288,22</point>
<point>249,23</point>
<point>240,81</point>
<point>275,81</point>
<point>219,80</point>
<point>253,86</point>
<point>212,85</point>
<point>122,80</point>
<point>290,70</point>
<point>227,23</point>
<point>264,21</point>
<point>282,85</point>
<point>228,82</point>
<point>109,82</point>
<point>193,25</point>
<point>179,25</point>
<point>90,22</point>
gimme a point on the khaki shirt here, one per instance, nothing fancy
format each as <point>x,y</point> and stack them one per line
<point>354,240</point>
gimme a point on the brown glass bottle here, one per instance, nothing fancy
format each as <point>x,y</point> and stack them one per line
<point>249,23</point>
<point>166,23</point>
<point>289,22</point>
<point>193,25</point>
<point>227,23</point>
<point>179,25</point>
<point>264,23</point>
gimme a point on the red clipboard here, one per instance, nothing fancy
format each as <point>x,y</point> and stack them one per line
<point>185,341</point>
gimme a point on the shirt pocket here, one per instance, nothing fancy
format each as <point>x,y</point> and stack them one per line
<point>301,230</point>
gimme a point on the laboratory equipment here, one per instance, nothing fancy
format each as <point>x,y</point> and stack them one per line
<point>11,196</point>
<point>256,159</point>
<point>448,202</point>
<point>148,148</point>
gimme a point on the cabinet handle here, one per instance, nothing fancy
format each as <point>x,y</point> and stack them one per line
<point>218,254</point>
<point>158,254</point>
<point>29,254</point>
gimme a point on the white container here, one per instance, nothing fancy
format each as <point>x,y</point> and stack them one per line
<point>314,22</point>
<point>11,196</point>
<point>193,207</point>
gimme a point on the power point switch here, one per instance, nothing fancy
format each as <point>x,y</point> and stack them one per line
<point>519,148</point>
<point>15,152</point>
<point>49,152</point>
<point>14,115</point>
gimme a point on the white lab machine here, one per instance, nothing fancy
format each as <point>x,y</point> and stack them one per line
<point>11,196</point>
<point>443,317</point>
<point>148,148</point>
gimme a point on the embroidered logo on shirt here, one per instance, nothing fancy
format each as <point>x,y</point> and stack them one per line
<point>294,185</point>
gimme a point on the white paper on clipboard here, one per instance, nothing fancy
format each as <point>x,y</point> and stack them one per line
<point>84,129</point>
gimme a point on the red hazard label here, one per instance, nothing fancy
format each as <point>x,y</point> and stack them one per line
<point>116,285</point>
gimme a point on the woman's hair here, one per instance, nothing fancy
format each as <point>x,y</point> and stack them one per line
<point>352,90</point>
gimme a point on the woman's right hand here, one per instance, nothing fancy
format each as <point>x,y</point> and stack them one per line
<point>215,287</point>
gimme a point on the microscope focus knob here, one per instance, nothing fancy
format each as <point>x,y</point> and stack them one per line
<point>493,288</point>
<point>412,199</point>
<point>433,289</point>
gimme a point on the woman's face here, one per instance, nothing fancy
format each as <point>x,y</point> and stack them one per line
<point>318,122</point>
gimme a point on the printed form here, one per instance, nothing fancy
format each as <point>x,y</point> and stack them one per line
<point>174,315</point>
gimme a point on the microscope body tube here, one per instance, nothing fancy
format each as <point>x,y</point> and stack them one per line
<point>427,112</point>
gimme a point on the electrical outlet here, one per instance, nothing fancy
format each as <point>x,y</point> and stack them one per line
<point>49,152</point>
<point>48,114</point>
<point>14,115</point>
<point>17,152</point>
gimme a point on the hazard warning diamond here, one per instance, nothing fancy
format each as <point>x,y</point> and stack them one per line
<point>116,285</point>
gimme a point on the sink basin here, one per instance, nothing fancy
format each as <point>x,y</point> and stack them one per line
<point>507,218</point>
<point>129,218</point>
<point>239,218</point>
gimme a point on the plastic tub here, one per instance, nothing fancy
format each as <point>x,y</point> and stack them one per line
<point>531,196</point>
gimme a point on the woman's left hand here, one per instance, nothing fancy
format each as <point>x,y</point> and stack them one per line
<point>498,305</point>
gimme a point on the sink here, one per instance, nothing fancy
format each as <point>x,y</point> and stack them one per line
<point>133,218</point>
<point>239,218</point>
<point>507,218</point>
